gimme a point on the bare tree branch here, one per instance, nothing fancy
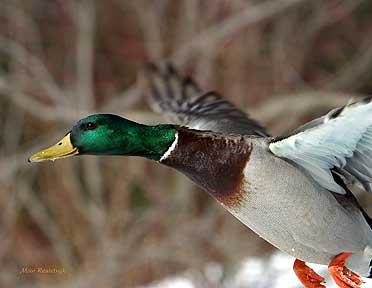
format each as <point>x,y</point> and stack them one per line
<point>151,26</point>
<point>219,32</point>
<point>355,72</point>
<point>33,63</point>
<point>85,19</point>
<point>211,37</point>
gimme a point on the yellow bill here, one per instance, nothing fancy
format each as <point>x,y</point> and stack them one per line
<point>62,149</point>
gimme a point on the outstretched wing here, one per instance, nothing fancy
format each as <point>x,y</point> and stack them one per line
<point>184,103</point>
<point>340,140</point>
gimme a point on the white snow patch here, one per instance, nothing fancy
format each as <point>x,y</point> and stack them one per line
<point>214,272</point>
<point>173,282</point>
<point>274,272</point>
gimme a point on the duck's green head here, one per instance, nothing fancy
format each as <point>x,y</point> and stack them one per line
<point>108,134</point>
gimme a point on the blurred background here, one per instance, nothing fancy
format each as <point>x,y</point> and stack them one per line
<point>128,222</point>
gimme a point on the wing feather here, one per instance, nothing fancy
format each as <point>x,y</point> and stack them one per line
<point>341,139</point>
<point>184,103</point>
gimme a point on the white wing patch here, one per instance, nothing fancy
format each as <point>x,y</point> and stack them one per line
<point>343,140</point>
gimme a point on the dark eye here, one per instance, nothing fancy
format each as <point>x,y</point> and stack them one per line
<point>88,126</point>
<point>91,126</point>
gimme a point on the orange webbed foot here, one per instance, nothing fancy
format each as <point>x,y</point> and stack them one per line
<point>307,276</point>
<point>342,275</point>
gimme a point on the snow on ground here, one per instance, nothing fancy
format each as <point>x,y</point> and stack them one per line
<point>173,282</point>
<point>274,272</point>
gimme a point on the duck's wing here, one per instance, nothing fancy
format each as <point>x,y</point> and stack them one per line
<point>340,141</point>
<point>184,103</point>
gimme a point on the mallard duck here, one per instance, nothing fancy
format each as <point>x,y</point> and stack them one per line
<point>292,190</point>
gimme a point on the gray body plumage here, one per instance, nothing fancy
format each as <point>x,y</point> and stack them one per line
<point>293,212</point>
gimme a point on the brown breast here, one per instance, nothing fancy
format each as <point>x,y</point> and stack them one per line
<point>213,162</point>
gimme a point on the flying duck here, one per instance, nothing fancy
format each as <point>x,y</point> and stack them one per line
<point>292,190</point>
